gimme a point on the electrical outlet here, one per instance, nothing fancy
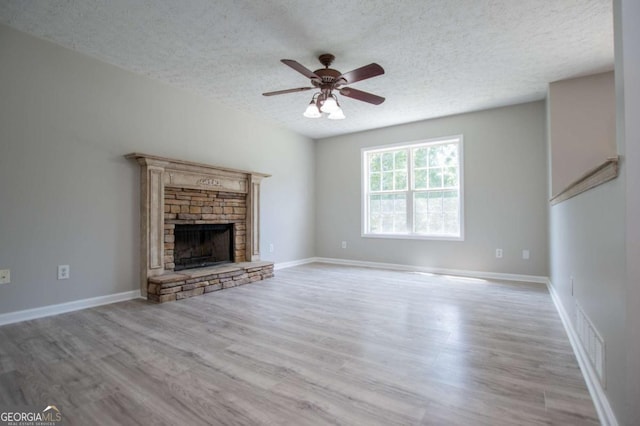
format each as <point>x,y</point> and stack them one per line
<point>5,276</point>
<point>344,245</point>
<point>498,253</point>
<point>64,272</point>
<point>271,248</point>
<point>525,254</point>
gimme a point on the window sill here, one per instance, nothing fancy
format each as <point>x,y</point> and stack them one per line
<point>413,237</point>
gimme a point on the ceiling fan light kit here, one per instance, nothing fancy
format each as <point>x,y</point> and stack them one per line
<point>326,80</point>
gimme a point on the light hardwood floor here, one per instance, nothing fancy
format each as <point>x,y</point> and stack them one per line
<point>317,344</point>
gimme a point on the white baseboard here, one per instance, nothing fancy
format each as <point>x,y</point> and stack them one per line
<point>605,413</point>
<point>443,271</point>
<point>45,311</point>
<point>292,263</point>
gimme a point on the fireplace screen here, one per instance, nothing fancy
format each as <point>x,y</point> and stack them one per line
<point>202,245</point>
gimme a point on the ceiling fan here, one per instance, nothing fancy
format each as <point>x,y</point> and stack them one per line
<point>326,80</point>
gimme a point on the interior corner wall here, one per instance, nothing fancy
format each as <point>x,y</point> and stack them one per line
<point>627,14</point>
<point>68,195</point>
<point>505,194</point>
<point>594,236</point>
<point>627,34</point>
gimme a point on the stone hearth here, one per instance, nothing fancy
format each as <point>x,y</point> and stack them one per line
<point>194,282</point>
<point>175,192</point>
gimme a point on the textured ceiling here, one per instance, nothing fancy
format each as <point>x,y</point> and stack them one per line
<point>441,57</point>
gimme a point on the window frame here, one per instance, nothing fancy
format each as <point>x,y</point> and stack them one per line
<point>411,191</point>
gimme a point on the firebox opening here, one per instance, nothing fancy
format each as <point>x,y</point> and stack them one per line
<point>197,246</point>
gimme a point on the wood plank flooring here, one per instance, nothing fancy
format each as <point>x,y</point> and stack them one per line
<point>316,345</point>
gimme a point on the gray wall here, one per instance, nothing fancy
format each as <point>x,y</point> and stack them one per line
<point>587,234</point>
<point>504,191</point>
<point>587,238</point>
<point>582,126</point>
<point>596,237</point>
<point>67,194</point>
<point>627,16</point>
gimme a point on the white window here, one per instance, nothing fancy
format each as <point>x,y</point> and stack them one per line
<point>413,190</point>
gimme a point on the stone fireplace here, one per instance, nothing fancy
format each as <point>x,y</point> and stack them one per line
<point>200,228</point>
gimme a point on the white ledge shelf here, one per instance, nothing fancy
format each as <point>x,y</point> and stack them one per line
<point>603,173</point>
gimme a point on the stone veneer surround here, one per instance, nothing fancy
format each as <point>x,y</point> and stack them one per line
<point>182,192</point>
<point>194,207</point>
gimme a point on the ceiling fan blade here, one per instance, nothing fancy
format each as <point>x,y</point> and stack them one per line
<point>361,96</point>
<point>300,68</point>
<point>282,92</point>
<point>362,73</point>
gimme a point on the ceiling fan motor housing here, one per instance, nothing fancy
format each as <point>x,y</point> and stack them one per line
<point>329,76</point>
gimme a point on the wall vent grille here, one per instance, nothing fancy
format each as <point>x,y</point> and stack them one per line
<point>592,342</point>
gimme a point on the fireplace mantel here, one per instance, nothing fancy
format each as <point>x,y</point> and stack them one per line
<point>158,173</point>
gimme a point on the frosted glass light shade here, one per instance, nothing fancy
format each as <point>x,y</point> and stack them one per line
<point>312,111</point>
<point>329,105</point>
<point>337,115</point>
